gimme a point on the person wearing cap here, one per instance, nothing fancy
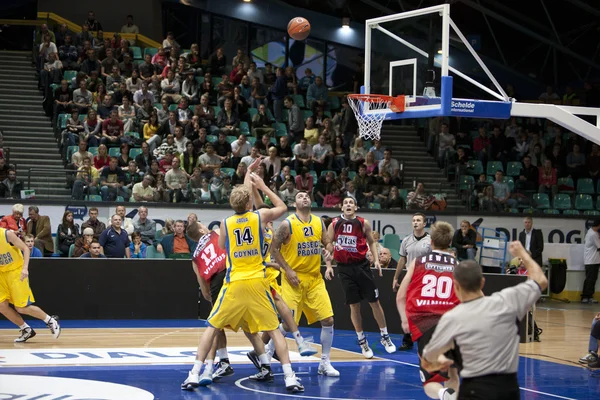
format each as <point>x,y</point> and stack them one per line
<point>82,244</point>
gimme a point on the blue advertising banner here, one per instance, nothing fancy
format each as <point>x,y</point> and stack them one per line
<point>480,109</point>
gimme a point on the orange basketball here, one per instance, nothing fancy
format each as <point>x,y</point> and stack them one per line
<point>299,28</point>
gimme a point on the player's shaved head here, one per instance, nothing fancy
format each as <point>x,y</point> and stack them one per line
<point>469,276</point>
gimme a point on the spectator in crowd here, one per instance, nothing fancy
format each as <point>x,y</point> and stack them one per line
<point>189,89</point>
<point>96,225</point>
<point>258,93</point>
<point>112,180</point>
<point>228,120</point>
<point>390,165</point>
<point>11,187</point>
<point>95,251</point>
<point>385,258</point>
<point>126,222</point>
<point>143,191</point>
<point>419,199</point>
<point>358,153</point>
<point>325,185</point>
<point>46,48</point>
<point>303,153</point>
<point>263,145</point>
<point>378,150</point>
<point>4,169</point>
<point>176,181</point>
<point>171,88</point>
<point>180,142</point>
<point>82,244</point>
<point>464,241</point>
<point>113,130</point>
<point>317,95</point>
<point>209,161</point>
<point>307,80</point>
<point>481,144</point>
<point>446,143</point>
<point>576,163</point>
<point>114,240</point>
<point>305,181</point>
<point>272,162</point>
<point>549,96</point>
<point>51,72</point>
<point>130,27</point>
<point>91,63</point>
<point>322,155</point>
<point>254,72</point>
<point>528,176</point>
<point>352,192</point>
<point>82,98</point>
<point>241,58</point>
<point>393,200</point>
<point>127,66</point>
<point>311,132</point>
<point>249,159</point>
<point>63,98</point>
<point>217,62</point>
<point>67,233</point>
<point>278,92</point>
<point>34,251</point>
<point>502,191</point>
<point>488,201</point>
<point>91,22</point>
<point>288,192</point>
<point>137,248</point>
<point>548,178</point>
<point>39,226</point>
<point>532,240</point>
<point>334,198</point>
<point>177,242</point>
<point>15,221</point>
<point>43,31</point>
<point>295,119</point>
<point>170,44</point>
<point>285,151</point>
<point>261,124</point>
<point>591,260</point>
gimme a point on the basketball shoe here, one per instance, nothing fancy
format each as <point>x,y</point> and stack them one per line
<point>26,334</point>
<point>588,358</point>
<point>264,374</point>
<point>326,369</point>
<point>386,341</point>
<point>306,349</point>
<point>364,348</point>
<point>54,326</point>
<point>192,381</point>
<point>254,358</point>
<point>222,369</point>
<point>292,383</point>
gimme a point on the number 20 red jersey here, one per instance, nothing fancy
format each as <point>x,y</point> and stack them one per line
<point>430,293</point>
<point>208,257</point>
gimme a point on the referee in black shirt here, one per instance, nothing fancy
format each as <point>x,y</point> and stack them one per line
<point>484,332</point>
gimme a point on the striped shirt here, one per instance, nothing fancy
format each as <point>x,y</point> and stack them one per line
<point>485,331</point>
<point>412,248</point>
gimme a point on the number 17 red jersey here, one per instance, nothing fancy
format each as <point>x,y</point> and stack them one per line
<point>208,257</point>
<point>430,293</point>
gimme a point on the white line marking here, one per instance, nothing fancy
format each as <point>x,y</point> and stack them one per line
<point>238,383</point>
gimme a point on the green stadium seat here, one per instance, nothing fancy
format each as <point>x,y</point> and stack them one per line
<point>591,213</point>
<point>137,52</point>
<point>466,182</point>
<point>150,50</point>
<point>513,168</point>
<point>513,210</point>
<point>509,180</point>
<point>299,100</point>
<point>93,197</point>
<point>403,193</point>
<point>562,201</point>
<point>114,152</point>
<point>584,202</point>
<point>137,63</point>
<point>151,252</point>
<point>244,128</point>
<point>69,75</point>
<point>133,134</point>
<point>490,179</point>
<point>71,250</point>
<point>571,212</point>
<point>251,140</point>
<point>252,111</point>
<point>542,201</point>
<point>529,210</point>
<point>391,241</point>
<point>551,211</point>
<point>231,139</point>
<point>352,175</point>
<point>325,171</point>
<point>585,186</point>
<point>61,121</point>
<point>280,129</point>
<point>293,172</point>
<point>70,151</point>
<point>314,204</point>
<point>199,80</point>
<point>212,138</point>
<point>493,166</point>
<point>133,153</point>
<point>228,171</point>
<point>216,80</point>
<point>314,175</point>
<point>120,199</point>
<point>565,182</point>
<point>306,114</point>
<point>173,107</point>
<point>334,103</point>
<point>474,167</point>
<point>375,206</point>
<point>217,110</point>
<point>93,150</point>
<point>273,141</point>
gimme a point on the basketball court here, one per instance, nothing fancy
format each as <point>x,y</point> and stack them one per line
<point>145,359</point>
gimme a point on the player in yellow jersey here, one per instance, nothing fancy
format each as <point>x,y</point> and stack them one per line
<point>245,300</point>
<point>297,248</point>
<point>14,287</point>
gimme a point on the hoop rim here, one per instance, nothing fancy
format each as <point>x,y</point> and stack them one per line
<point>370,97</point>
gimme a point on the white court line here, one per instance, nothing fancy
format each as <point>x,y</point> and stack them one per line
<point>238,383</point>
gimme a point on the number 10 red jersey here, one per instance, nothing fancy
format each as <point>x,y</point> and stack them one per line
<point>430,293</point>
<point>209,257</point>
<point>349,241</point>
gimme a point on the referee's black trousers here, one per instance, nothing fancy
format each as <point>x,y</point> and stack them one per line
<point>490,387</point>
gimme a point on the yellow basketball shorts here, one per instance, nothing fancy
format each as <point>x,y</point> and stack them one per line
<point>272,275</point>
<point>245,304</point>
<point>310,298</point>
<point>17,292</point>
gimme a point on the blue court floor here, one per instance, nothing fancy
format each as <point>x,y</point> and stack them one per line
<point>394,377</point>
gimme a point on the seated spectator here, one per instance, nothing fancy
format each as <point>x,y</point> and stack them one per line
<point>208,89</point>
<point>272,162</point>
<point>528,176</point>
<point>141,94</point>
<point>166,162</point>
<point>576,163</point>
<point>82,244</point>
<point>446,143</point>
<point>249,159</point>
<point>419,199</point>
<point>285,151</point>
<point>189,159</point>
<point>184,114</point>
<point>263,145</point>
<point>39,226</point>
<point>236,74</point>
<point>63,98</point>
<point>86,180</point>
<point>386,260</point>
<point>15,221</point>
<point>160,60</point>
<point>393,200</point>
<point>351,191</point>
<point>90,63</point>
<point>307,80</point>
<point>502,191</point>
<point>51,72</point>
<point>115,240</point>
<point>358,153</point>
<point>547,178</point>
<point>261,124</point>
<point>322,155</point>
<point>171,88</point>
<point>179,140</point>
<point>216,185</point>
<point>217,62</point>
<point>189,90</point>
<point>132,177</point>
<point>126,66</point>
<point>67,233</point>
<point>311,132</point>
<point>239,175</point>
<point>143,191</point>
<point>304,181</point>
<point>82,98</point>
<point>522,147</point>
<point>194,59</point>
<point>101,159</point>
<point>549,96</point>
<point>11,187</point>
<point>95,251</point>
<point>177,242</point>
<point>113,81</point>
<point>288,192</point>
<point>70,136</point>
<point>46,48</point>
<point>209,161</point>
<point>112,180</point>
<point>113,132</point>
<point>464,241</point>
<point>176,181</point>
<point>334,198</point>
<point>390,165</point>
<point>258,93</point>
<point>92,129</point>
<point>67,54</point>
<point>224,90</point>
<point>339,156</point>
<point>228,120</point>
<point>199,136</point>
<point>127,114</point>
<point>377,149</point>
<point>93,223</point>
<point>137,248</point>
<point>34,251</point>
<point>480,146</point>
<point>324,187</point>
<point>488,201</point>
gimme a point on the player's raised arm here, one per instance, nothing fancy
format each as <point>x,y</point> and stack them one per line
<point>372,246</point>
<point>401,298</point>
<point>223,236</point>
<point>282,236</point>
<point>533,269</point>
<point>279,207</point>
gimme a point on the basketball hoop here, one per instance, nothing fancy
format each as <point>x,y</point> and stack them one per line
<point>370,111</point>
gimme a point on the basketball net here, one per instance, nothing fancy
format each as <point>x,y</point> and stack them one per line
<point>370,111</point>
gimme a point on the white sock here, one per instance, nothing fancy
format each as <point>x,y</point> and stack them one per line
<point>24,326</point>
<point>209,366</point>
<point>384,331</point>
<point>441,393</point>
<point>264,359</point>
<point>361,335</point>
<point>326,341</point>
<point>287,369</point>
<point>222,353</point>
<point>283,331</point>
<point>197,367</point>
<point>47,318</point>
<point>297,337</point>
<point>269,346</point>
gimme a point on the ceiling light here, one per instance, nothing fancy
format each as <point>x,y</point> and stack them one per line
<point>346,23</point>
